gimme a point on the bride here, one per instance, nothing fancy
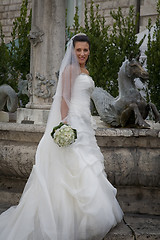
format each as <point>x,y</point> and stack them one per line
<point>67,196</point>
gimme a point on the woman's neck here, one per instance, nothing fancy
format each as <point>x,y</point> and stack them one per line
<point>82,66</point>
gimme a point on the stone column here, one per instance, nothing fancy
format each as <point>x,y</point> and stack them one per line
<point>47,38</point>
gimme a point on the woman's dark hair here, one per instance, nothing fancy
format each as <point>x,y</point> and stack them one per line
<point>81,38</point>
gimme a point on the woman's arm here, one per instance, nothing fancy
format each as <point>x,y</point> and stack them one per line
<point>64,110</point>
<point>66,93</point>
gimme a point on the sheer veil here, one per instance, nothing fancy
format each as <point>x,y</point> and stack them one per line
<point>69,70</point>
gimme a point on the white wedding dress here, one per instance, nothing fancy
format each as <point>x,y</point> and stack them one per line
<point>67,196</point>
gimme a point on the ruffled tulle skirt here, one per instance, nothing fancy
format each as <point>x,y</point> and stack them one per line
<point>67,196</point>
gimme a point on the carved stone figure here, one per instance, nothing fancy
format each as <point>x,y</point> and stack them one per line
<point>35,35</point>
<point>8,96</point>
<point>25,86</point>
<point>129,108</point>
<point>22,87</point>
<point>29,81</point>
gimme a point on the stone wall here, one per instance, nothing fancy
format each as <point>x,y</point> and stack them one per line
<point>147,9</point>
<point>9,10</point>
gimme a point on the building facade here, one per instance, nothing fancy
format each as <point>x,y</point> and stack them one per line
<point>10,9</point>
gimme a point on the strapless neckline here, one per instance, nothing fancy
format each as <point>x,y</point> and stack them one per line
<point>85,74</point>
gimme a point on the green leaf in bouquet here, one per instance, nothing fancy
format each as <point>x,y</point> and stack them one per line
<point>57,127</point>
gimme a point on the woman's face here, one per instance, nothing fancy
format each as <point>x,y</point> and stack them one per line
<point>82,52</point>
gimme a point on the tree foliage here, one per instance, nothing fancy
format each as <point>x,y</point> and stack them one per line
<point>20,53</point>
<point>153,59</point>
<point>4,59</point>
<point>109,45</point>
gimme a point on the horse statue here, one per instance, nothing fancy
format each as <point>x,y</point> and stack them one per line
<point>129,108</point>
<point>8,96</point>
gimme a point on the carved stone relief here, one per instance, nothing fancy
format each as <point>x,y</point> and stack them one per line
<point>35,35</point>
<point>43,86</point>
<point>29,81</point>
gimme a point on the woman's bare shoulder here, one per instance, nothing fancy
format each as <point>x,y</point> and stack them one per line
<point>71,68</point>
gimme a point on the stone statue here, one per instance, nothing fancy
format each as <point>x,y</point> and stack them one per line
<point>22,87</point>
<point>129,108</point>
<point>25,86</point>
<point>8,96</point>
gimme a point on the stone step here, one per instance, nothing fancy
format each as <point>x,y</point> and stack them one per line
<point>3,207</point>
<point>131,199</point>
<point>133,227</point>
<point>136,227</point>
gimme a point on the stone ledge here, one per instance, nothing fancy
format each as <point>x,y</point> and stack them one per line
<point>124,132</point>
<point>17,127</point>
<point>102,130</point>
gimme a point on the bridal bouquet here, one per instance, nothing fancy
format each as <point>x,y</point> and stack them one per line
<point>64,135</point>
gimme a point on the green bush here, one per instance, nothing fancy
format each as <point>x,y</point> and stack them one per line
<point>20,53</point>
<point>4,60</point>
<point>153,60</point>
